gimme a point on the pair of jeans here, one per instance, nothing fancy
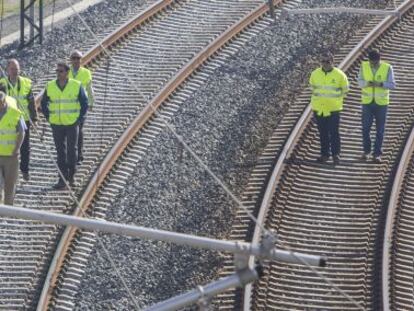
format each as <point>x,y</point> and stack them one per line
<point>369,113</point>
<point>330,140</point>
<point>66,143</point>
<point>25,150</point>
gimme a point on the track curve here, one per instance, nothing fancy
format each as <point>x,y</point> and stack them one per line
<point>334,211</point>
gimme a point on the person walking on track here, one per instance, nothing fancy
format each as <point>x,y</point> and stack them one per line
<point>376,79</point>
<point>20,88</point>
<point>64,104</point>
<point>329,86</point>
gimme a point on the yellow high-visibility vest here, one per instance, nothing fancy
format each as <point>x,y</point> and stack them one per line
<point>64,106</point>
<point>328,91</point>
<point>19,92</point>
<point>8,132</point>
<point>83,75</point>
<point>380,95</point>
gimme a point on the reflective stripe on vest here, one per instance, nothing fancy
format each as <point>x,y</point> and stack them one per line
<point>8,133</point>
<point>64,106</point>
<point>327,95</point>
<point>19,92</point>
<point>380,95</point>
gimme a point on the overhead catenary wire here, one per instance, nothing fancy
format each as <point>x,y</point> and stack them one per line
<point>73,196</point>
<point>204,166</point>
<point>165,121</point>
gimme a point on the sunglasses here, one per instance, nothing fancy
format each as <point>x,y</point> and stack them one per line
<point>75,57</point>
<point>60,71</point>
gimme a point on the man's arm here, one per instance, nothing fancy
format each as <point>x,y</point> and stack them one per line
<point>390,83</point>
<point>45,104</point>
<point>32,107</point>
<point>21,127</point>
<point>91,95</point>
<point>83,100</point>
<point>344,85</point>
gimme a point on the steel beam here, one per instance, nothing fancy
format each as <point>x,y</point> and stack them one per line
<point>238,279</point>
<point>162,235</point>
<point>27,15</point>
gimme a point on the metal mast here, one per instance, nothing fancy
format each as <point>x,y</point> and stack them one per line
<point>27,14</point>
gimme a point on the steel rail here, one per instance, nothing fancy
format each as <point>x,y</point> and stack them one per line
<point>121,32</point>
<point>300,126</point>
<point>136,125</point>
<point>92,55</point>
<point>390,223</point>
<point>99,49</point>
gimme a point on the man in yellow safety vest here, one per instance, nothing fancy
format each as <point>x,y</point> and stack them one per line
<point>64,104</point>
<point>329,86</point>
<point>376,79</point>
<point>84,76</point>
<point>20,88</point>
<point>12,128</point>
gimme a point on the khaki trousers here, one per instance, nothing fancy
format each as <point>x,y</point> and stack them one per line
<point>9,171</point>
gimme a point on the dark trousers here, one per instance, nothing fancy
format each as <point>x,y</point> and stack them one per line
<point>25,150</point>
<point>369,113</point>
<point>80,142</point>
<point>329,134</point>
<point>66,142</point>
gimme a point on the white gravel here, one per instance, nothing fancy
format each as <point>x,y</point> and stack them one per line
<point>227,121</point>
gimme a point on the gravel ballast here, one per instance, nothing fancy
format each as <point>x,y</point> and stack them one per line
<point>227,122</point>
<point>39,60</point>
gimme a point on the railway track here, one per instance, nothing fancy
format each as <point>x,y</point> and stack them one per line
<point>398,248</point>
<point>335,211</point>
<point>152,49</point>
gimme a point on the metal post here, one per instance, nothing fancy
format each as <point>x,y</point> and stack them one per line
<point>41,21</point>
<point>271,8</point>
<point>32,17</point>
<point>35,30</point>
<point>22,22</point>
<point>162,235</point>
<point>238,279</point>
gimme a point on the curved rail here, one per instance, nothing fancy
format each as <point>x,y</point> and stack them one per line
<point>136,125</point>
<point>300,126</point>
<point>99,49</point>
<point>92,55</point>
<point>391,219</point>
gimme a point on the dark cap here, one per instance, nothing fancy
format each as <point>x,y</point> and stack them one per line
<point>63,64</point>
<point>374,55</point>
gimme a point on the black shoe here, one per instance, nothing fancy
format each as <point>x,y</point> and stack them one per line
<point>377,159</point>
<point>60,185</point>
<point>322,159</point>
<point>336,159</point>
<point>26,176</point>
